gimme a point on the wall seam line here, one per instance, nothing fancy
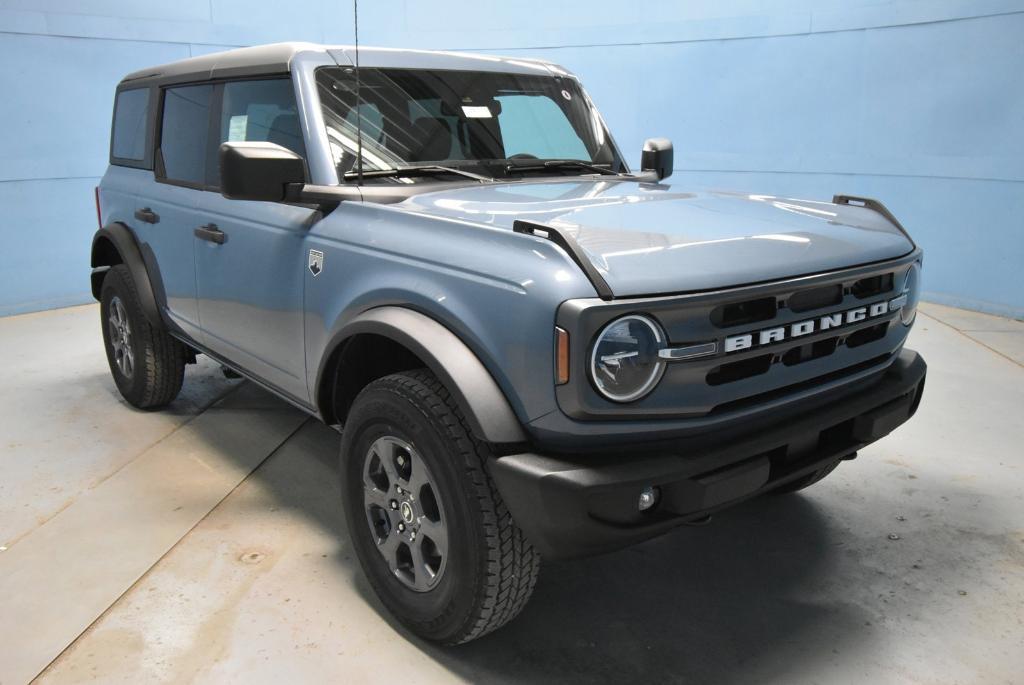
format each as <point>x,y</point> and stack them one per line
<point>787,34</point>
<point>561,47</point>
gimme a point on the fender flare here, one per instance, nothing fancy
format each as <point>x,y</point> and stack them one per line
<point>483,403</point>
<point>127,247</point>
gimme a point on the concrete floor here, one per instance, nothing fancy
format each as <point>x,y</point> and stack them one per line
<point>209,546</point>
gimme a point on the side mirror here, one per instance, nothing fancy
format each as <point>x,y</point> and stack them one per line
<point>258,171</point>
<point>657,157</point>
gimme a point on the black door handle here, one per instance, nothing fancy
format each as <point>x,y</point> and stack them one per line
<point>148,215</point>
<point>211,233</point>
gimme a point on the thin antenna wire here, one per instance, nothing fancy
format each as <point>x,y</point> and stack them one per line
<point>359,107</point>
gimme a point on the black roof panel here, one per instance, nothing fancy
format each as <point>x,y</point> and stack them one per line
<point>261,59</point>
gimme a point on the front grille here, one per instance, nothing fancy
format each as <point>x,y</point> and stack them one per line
<point>810,351</point>
<point>867,335</point>
<point>744,313</point>
<point>875,285</point>
<point>803,385</point>
<point>815,298</point>
<point>759,370</point>
<point>755,366</point>
<point>737,371</point>
<point>753,374</point>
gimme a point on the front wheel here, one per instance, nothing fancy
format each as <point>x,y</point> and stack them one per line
<point>429,527</point>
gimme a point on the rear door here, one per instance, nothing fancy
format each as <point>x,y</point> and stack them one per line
<point>251,256</point>
<point>165,213</point>
<point>131,155</point>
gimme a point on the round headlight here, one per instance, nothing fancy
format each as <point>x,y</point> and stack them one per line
<point>912,289</point>
<point>624,364</point>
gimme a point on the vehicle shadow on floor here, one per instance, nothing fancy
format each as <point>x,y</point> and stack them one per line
<point>704,604</point>
<point>697,605</point>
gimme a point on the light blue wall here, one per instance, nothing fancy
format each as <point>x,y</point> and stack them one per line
<point>919,103</point>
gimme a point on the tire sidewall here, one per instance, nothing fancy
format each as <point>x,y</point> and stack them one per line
<point>116,285</point>
<point>440,612</point>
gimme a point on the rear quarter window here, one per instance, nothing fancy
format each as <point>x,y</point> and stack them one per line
<point>129,139</point>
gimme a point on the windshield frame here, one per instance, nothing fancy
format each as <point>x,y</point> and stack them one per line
<point>494,169</point>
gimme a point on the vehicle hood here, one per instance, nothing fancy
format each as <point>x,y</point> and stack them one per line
<point>649,238</point>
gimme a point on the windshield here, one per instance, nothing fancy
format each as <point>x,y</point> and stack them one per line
<point>488,123</point>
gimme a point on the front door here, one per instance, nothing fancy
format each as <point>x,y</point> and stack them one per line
<point>251,256</point>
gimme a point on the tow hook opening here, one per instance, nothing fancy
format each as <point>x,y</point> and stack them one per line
<point>702,521</point>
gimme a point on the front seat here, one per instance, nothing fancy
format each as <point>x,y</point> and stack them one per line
<point>432,138</point>
<point>285,131</point>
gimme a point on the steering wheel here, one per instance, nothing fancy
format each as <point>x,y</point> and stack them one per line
<point>523,155</point>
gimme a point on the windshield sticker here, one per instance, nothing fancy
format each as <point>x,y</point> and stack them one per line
<point>472,112</point>
<point>566,95</point>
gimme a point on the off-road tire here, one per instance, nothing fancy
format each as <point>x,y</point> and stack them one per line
<point>491,568</point>
<point>159,360</point>
<point>806,481</point>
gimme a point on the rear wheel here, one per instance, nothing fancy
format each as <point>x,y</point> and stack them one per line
<point>147,364</point>
<point>431,531</point>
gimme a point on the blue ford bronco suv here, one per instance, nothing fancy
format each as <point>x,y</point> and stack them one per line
<point>529,350</point>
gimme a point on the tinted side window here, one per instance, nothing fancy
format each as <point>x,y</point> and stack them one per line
<point>263,111</point>
<point>186,123</point>
<point>131,115</point>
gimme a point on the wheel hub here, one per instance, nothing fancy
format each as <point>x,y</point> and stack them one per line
<point>403,510</point>
<point>120,334</point>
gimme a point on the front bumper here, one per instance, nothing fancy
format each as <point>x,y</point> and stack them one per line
<point>580,505</point>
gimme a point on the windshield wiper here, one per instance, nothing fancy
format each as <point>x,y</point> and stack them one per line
<point>427,170</point>
<point>559,164</point>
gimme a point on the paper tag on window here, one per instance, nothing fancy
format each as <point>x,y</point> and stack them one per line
<point>237,127</point>
<point>480,112</point>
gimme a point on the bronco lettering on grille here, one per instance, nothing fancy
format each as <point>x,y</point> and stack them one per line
<point>770,336</point>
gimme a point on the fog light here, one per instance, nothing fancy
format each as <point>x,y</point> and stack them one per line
<point>648,498</point>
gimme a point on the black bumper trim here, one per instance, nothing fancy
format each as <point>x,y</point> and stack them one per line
<point>580,505</point>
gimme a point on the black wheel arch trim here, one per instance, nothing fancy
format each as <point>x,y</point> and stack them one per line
<point>124,242</point>
<point>484,404</point>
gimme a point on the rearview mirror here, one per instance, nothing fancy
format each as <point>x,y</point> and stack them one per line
<point>258,171</point>
<point>657,157</point>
